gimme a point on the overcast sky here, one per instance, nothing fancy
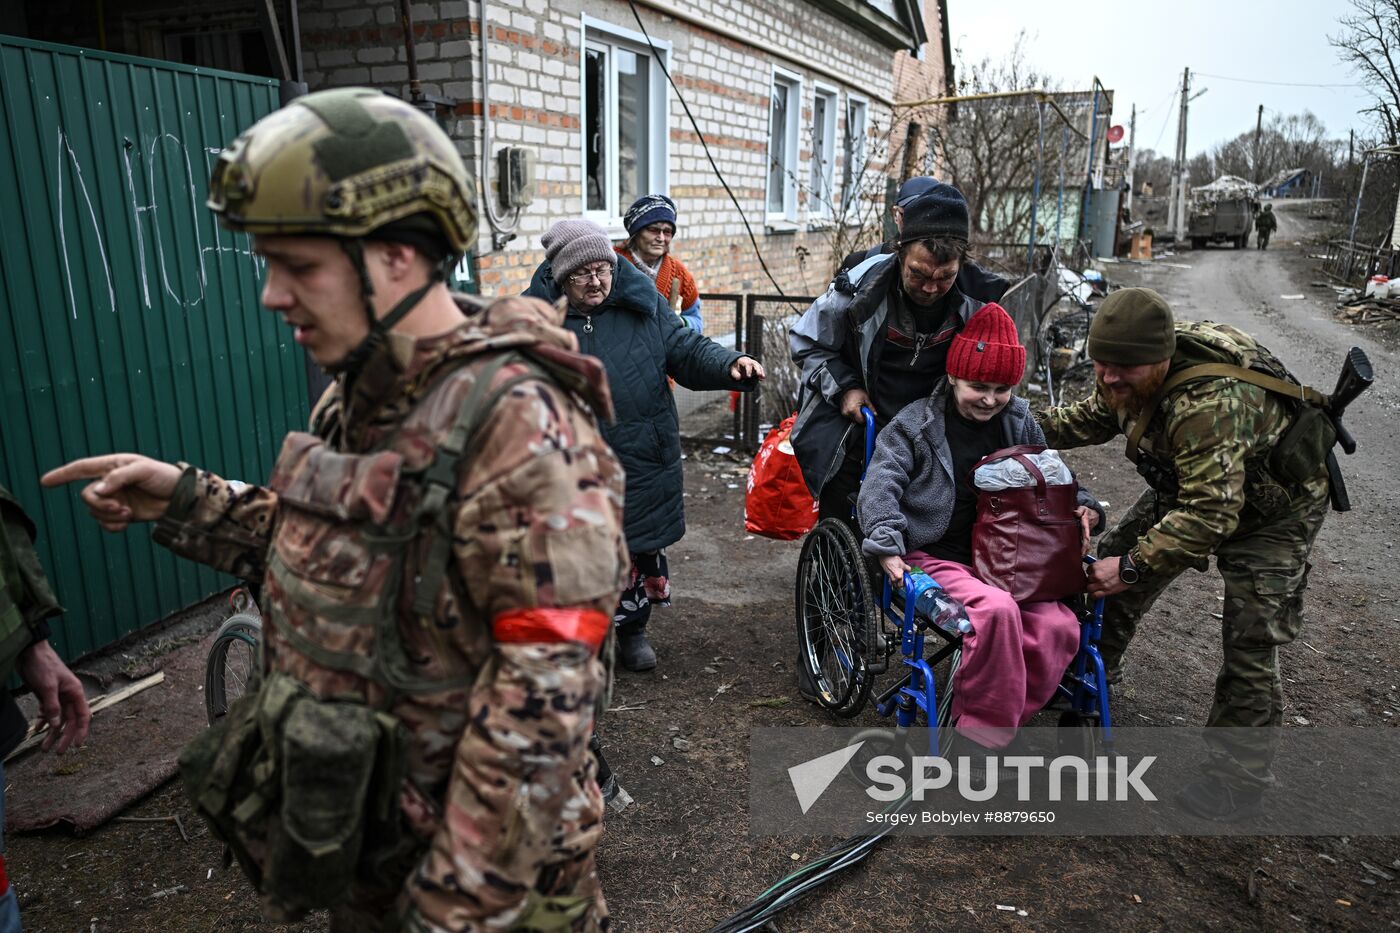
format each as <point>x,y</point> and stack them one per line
<point>1138,50</point>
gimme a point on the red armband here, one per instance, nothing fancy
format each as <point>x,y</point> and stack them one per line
<point>588,626</point>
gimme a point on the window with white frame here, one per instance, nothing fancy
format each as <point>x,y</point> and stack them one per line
<point>820,192</point>
<point>786,105</point>
<point>624,121</point>
<point>855,154</point>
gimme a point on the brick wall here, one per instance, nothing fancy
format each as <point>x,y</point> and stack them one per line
<point>535,101</point>
<point>920,77</point>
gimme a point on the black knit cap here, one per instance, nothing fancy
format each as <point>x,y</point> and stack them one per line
<point>939,212</point>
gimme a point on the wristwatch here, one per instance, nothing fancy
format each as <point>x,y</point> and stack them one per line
<point>1127,570</point>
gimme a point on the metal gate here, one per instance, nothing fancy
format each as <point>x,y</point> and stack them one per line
<point>129,320</point>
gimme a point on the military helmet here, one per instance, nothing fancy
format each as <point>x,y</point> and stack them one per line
<point>343,162</point>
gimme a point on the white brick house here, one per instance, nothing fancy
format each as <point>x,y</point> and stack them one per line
<point>770,83</point>
<point>796,99</point>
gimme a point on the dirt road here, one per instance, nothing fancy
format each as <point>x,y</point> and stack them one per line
<point>682,858</point>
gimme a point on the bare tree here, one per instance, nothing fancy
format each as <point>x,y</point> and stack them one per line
<point>854,207</point>
<point>1200,169</point>
<point>990,150</point>
<point>1370,43</point>
<point>1149,168</point>
<point>1290,141</point>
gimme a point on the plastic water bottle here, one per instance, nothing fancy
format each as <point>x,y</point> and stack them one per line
<point>933,603</point>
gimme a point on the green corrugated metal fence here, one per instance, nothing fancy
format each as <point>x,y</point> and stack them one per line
<point>128,319</point>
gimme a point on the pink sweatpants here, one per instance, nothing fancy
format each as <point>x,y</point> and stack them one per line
<point>1012,660</point>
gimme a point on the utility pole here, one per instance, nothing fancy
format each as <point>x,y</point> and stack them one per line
<point>1258,131</point>
<point>1132,154</point>
<point>1176,209</point>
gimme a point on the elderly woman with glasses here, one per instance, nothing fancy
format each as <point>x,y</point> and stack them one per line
<point>619,317</point>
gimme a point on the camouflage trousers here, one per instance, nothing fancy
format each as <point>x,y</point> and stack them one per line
<point>572,901</point>
<point>1265,568</point>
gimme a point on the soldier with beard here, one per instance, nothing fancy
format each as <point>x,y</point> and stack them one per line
<point>1205,452</point>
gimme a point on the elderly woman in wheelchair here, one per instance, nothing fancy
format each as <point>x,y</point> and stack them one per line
<point>916,508</point>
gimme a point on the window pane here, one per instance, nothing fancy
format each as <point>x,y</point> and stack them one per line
<point>854,167</point>
<point>818,195</point>
<point>633,113</point>
<point>777,148</point>
<point>595,136</point>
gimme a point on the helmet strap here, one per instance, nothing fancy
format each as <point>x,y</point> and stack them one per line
<point>378,327</point>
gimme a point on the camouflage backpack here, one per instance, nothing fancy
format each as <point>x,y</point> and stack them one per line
<point>1221,351</point>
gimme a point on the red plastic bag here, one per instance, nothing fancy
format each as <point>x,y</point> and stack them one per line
<point>777,504</point>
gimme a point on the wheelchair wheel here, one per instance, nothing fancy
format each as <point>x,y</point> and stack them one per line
<point>887,740</point>
<point>1079,735</point>
<point>232,664</point>
<point>838,617</point>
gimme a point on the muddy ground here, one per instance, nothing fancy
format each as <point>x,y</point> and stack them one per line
<point>681,858</point>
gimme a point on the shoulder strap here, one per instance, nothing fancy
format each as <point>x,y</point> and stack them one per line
<point>441,475</point>
<point>1302,393</point>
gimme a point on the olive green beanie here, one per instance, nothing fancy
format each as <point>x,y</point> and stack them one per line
<point>1133,326</point>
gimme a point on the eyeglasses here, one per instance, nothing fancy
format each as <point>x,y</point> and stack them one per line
<point>587,275</point>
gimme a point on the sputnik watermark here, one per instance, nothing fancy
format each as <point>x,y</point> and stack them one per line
<point>1066,781</point>
<point>1118,782</point>
<point>976,779</point>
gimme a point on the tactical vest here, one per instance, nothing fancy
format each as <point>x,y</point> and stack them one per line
<point>303,785</point>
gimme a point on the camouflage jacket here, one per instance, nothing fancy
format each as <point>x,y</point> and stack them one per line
<point>1217,434</point>
<point>500,787</point>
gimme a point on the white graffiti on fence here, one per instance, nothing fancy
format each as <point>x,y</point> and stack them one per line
<point>159,143</point>
<point>92,214</point>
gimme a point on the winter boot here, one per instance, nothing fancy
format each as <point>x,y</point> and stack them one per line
<point>1210,799</point>
<point>634,650</point>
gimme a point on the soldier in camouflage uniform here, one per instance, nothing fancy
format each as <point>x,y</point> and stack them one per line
<point>1265,225</point>
<point>1206,450</point>
<point>440,554</point>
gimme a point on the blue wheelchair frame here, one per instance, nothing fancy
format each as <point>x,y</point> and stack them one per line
<point>1084,687</point>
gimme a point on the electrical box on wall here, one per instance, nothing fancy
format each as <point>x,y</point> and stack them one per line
<point>515,176</point>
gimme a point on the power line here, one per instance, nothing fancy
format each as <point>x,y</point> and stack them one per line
<point>706,146</point>
<point>1166,118</point>
<point>1273,83</point>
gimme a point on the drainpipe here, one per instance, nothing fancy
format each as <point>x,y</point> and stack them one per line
<point>502,231</point>
<point>415,87</point>
<point>1035,189</point>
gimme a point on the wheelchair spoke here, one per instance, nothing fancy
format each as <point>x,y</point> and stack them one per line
<point>830,648</point>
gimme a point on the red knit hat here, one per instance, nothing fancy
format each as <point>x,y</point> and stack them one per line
<point>987,349</point>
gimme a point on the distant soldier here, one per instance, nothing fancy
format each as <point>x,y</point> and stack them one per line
<point>440,552</point>
<point>1208,448</point>
<point>1264,225</point>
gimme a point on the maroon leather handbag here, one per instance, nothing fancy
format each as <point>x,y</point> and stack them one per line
<point>1028,541</point>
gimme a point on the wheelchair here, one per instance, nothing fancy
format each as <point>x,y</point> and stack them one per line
<point>850,622</point>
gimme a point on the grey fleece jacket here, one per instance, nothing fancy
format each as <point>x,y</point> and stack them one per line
<point>909,490</point>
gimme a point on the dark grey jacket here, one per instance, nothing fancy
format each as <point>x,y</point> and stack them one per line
<point>641,341</point>
<point>909,490</point>
<point>837,343</point>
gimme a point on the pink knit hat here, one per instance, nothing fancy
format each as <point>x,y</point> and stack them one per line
<point>987,349</point>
